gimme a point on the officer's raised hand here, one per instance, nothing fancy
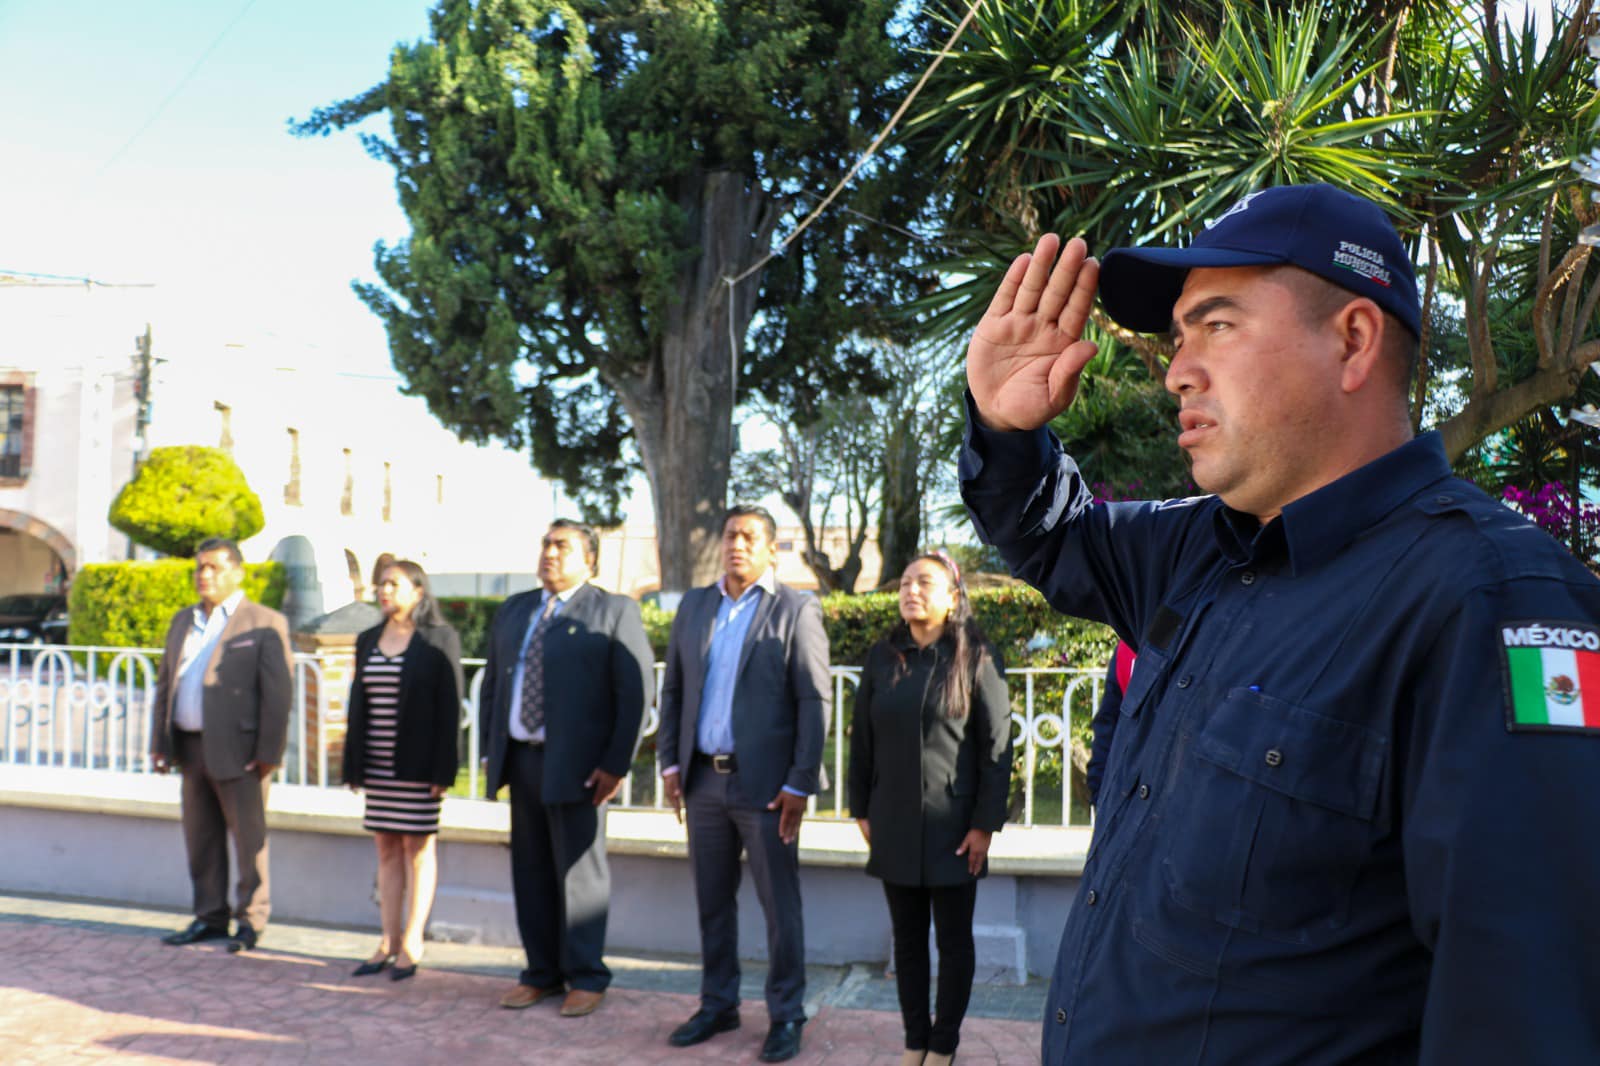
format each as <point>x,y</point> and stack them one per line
<point>1026,354</point>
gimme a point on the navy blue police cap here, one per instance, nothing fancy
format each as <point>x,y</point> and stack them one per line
<point>1331,233</point>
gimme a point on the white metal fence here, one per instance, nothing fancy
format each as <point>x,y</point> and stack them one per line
<point>89,708</point>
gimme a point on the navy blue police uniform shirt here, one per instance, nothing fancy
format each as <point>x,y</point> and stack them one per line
<point>1322,835</point>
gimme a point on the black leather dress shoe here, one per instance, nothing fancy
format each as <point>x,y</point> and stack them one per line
<point>782,1043</point>
<point>703,1026</point>
<point>196,932</point>
<point>243,939</point>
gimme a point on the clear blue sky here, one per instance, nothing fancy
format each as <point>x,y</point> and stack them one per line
<point>245,229</point>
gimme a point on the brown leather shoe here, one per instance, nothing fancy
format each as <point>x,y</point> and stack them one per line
<point>526,996</point>
<point>580,1001</point>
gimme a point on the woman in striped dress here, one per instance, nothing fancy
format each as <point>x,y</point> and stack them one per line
<point>404,720</point>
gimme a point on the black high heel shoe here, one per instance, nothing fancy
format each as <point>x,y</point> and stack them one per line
<point>400,973</point>
<point>372,966</point>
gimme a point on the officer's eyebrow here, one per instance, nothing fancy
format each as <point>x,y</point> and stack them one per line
<point>1195,314</point>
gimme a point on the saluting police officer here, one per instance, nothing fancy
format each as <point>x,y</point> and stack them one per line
<point>1352,809</point>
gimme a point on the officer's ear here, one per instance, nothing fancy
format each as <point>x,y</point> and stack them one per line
<point>1360,328</point>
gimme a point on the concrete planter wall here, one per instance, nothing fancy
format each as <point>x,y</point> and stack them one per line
<point>115,837</point>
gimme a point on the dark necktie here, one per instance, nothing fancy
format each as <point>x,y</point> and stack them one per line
<point>532,709</point>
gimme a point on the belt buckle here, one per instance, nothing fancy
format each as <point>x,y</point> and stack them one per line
<point>722,764</point>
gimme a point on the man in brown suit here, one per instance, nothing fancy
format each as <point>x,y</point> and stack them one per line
<point>222,718</point>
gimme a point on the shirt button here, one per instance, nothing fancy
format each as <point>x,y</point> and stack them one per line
<point>1061,1016</point>
<point>1183,682</point>
<point>1144,792</point>
<point>1274,756</point>
<point>1247,578</point>
<point>1092,898</point>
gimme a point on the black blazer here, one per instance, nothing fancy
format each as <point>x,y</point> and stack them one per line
<point>599,677</point>
<point>429,710</point>
<point>921,778</point>
<point>781,696</point>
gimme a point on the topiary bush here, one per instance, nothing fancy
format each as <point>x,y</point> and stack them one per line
<point>130,605</point>
<point>183,495</point>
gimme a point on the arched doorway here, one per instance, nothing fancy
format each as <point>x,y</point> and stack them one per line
<point>34,556</point>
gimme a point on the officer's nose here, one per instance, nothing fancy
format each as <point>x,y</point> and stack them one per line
<point>1184,373</point>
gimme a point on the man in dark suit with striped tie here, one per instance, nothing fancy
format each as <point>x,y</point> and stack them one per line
<point>568,678</point>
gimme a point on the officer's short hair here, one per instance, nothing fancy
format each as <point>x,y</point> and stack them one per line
<point>1319,299</point>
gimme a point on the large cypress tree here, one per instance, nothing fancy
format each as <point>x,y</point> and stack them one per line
<point>582,176</point>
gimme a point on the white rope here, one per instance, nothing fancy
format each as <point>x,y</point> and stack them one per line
<point>871,150</point>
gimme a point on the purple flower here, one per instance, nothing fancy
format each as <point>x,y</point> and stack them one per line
<point>1550,507</point>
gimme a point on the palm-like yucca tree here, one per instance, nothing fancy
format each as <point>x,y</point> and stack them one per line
<point>1133,122</point>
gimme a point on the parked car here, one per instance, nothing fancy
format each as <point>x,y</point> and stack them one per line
<point>33,619</point>
<point>54,625</point>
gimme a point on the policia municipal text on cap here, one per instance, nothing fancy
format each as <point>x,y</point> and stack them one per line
<point>1352,810</point>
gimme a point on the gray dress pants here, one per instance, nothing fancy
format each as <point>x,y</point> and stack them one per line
<point>213,811</point>
<point>722,821</point>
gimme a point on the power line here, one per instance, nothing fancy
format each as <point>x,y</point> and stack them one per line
<point>176,89</point>
<point>871,150</point>
<point>32,279</point>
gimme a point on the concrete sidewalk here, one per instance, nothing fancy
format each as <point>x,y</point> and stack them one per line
<point>82,981</point>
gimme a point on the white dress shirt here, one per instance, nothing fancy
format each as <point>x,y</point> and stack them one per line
<point>188,706</point>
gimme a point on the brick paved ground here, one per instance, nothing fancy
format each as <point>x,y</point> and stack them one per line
<point>83,983</point>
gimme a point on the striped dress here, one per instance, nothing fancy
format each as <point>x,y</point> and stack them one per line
<point>392,806</point>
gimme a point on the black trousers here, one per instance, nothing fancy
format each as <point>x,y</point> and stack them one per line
<point>952,907</point>
<point>560,879</point>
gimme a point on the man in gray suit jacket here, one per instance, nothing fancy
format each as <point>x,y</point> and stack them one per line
<point>222,717</point>
<point>744,712</point>
<point>568,678</point>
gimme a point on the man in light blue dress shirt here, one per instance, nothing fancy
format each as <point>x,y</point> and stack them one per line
<point>744,712</point>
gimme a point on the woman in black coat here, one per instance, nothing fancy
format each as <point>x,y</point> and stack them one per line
<point>930,769</point>
<point>404,715</point>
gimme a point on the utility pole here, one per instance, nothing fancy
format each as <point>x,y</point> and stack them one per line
<point>143,367</point>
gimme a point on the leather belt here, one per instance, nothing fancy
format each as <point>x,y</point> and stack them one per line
<point>722,764</point>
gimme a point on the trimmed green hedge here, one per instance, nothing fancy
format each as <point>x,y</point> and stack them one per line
<point>1028,632</point>
<point>658,627</point>
<point>1016,619</point>
<point>471,615</point>
<point>1019,622</point>
<point>129,605</point>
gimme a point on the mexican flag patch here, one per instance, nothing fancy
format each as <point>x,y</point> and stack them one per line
<point>1553,675</point>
